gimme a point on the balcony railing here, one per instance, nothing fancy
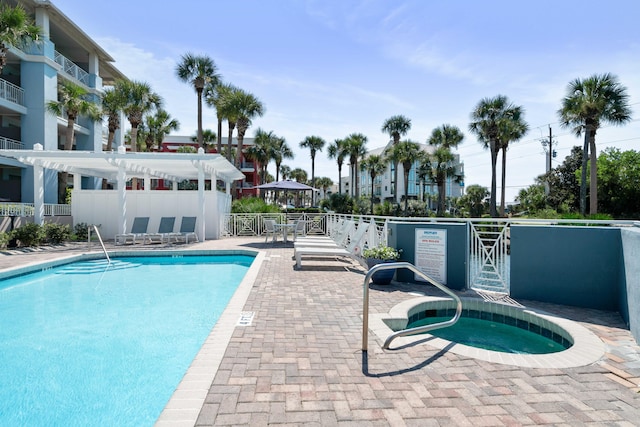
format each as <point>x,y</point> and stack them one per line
<point>10,144</point>
<point>72,69</point>
<point>11,92</point>
<point>28,209</point>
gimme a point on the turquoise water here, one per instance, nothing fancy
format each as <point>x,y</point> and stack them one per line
<point>491,335</point>
<point>81,345</point>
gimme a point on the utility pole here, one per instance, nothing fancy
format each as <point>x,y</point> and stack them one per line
<point>548,147</point>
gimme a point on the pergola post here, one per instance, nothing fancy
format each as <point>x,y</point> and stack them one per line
<point>38,189</point>
<point>121,182</point>
<point>201,201</point>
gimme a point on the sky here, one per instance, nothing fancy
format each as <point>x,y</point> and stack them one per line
<point>330,68</point>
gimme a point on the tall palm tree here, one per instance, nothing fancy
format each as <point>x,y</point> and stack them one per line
<point>589,103</point>
<point>198,71</point>
<point>407,153</point>
<point>324,183</point>
<point>489,120</point>
<point>227,109</point>
<point>513,131</point>
<point>214,96</point>
<point>262,151</point>
<point>314,144</point>
<point>336,150</point>
<point>443,138</point>
<point>158,126</point>
<point>140,99</point>
<point>355,146</point>
<point>73,101</point>
<point>281,151</point>
<point>113,101</point>
<point>16,29</point>
<point>375,165</point>
<point>396,127</point>
<point>248,107</point>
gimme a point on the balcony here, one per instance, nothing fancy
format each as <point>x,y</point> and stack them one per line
<point>11,92</point>
<point>10,144</point>
<point>72,69</point>
<point>247,167</point>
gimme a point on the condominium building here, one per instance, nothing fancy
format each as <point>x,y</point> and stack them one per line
<point>30,79</point>
<point>384,187</point>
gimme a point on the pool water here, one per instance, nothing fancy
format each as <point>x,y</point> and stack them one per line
<point>490,335</point>
<point>85,345</point>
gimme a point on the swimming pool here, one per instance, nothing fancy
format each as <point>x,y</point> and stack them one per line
<point>81,345</point>
<point>583,346</point>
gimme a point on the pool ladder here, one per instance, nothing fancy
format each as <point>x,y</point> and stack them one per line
<point>404,332</point>
<point>95,228</point>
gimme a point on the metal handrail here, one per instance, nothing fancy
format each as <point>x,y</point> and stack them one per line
<point>405,332</point>
<point>95,227</point>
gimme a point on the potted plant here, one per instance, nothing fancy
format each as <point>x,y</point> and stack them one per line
<point>381,254</point>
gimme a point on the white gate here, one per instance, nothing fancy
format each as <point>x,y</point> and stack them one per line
<point>489,257</point>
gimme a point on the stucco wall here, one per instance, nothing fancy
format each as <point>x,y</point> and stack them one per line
<point>403,236</point>
<point>578,266</point>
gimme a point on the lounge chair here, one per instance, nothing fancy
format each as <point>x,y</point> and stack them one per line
<point>138,230</point>
<point>339,238</point>
<point>165,230</point>
<point>352,250</point>
<point>187,229</point>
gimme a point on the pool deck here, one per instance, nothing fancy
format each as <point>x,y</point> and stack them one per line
<point>300,361</point>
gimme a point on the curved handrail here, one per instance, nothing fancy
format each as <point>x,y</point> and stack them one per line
<point>419,329</point>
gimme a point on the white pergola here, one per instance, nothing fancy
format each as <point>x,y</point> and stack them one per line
<point>121,166</point>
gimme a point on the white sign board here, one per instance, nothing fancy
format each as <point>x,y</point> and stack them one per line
<point>431,253</point>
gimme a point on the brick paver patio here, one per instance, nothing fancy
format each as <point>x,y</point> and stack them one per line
<point>300,361</point>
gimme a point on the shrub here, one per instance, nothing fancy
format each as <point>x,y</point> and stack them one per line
<point>57,233</point>
<point>29,234</point>
<point>5,238</point>
<point>253,205</point>
<point>80,230</point>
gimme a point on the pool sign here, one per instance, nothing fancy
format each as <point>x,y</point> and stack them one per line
<point>431,253</point>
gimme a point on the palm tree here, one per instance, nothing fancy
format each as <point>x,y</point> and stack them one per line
<point>324,183</point>
<point>284,170</point>
<point>16,29</point>
<point>492,120</point>
<point>406,152</point>
<point>355,146</point>
<point>139,100</point>
<point>589,103</point>
<point>73,101</point>
<point>248,107</point>
<point>281,151</point>
<point>397,127</point>
<point>514,130</point>
<point>113,101</point>
<point>314,144</point>
<point>199,71</point>
<point>208,137</point>
<point>375,165</point>
<point>336,150</point>
<point>158,125</point>
<point>213,96</point>
<point>226,108</point>
<point>262,151</point>
<point>443,138</point>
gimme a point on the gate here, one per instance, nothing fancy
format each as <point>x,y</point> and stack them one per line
<point>489,256</point>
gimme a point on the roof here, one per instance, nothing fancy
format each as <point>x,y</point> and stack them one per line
<point>171,166</point>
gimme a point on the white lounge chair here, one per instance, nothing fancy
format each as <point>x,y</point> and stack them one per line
<point>138,231</point>
<point>352,250</point>
<point>339,238</point>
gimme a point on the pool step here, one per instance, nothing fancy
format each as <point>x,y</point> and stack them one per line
<point>97,266</point>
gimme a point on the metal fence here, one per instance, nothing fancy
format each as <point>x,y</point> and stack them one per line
<point>28,209</point>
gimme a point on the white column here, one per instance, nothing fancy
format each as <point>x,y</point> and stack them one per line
<point>201,202</point>
<point>121,181</point>
<point>38,189</point>
<point>147,182</point>
<point>217,221</point>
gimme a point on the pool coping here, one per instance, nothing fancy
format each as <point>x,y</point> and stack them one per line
<point>587,348</point>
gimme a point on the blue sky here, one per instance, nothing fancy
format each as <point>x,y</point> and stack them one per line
<point>330,68</point>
